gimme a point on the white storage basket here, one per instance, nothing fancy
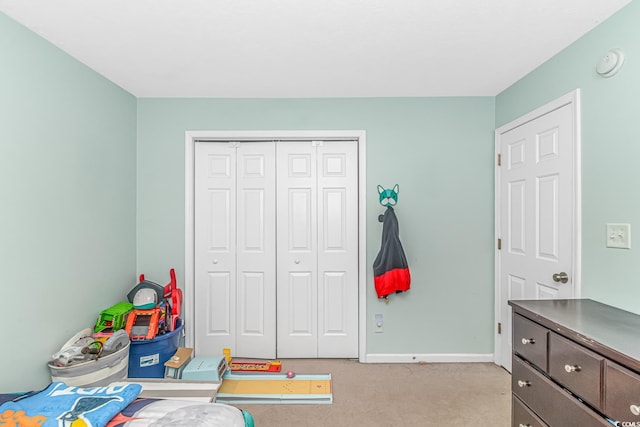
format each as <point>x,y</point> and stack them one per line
<point>94,373</point>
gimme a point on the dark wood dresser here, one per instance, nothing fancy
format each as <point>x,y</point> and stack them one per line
<point>575,363</point>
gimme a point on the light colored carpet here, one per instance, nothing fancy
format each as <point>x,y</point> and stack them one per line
<point>407,395</point>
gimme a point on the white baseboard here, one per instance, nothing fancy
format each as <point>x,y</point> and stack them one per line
<point>429,358</point>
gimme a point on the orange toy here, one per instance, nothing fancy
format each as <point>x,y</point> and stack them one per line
<point>143,324</point>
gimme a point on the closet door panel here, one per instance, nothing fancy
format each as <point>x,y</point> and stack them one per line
<point>297,250</point>
<point>256,251</point>
<point>215,247</point>
<point>301,300</point>
<point>218,315</point>
<point>337,183</point>
<point>335,314</point>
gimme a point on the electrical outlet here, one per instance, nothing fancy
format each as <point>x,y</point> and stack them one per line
<point>379,325</point>
<point>619,236</point>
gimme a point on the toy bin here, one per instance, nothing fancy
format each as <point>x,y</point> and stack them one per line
<point>94,373</point>
<point>147,357</point>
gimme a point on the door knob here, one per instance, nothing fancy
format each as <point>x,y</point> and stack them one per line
<point>561,277</point>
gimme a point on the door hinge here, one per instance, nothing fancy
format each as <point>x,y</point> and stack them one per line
<point>499,159</point>
<point>499,244</point>
<point>499,328</point>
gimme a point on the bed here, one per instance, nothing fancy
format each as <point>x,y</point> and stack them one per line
<point>115,405</point>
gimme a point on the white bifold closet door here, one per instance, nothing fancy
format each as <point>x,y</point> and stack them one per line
<point>235,249</point>
<point>317,244</point>
<point>276,249</point>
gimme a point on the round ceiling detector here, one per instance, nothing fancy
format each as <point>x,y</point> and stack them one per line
<point>611,63</point>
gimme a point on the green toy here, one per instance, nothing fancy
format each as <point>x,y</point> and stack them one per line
<point>113,318</point>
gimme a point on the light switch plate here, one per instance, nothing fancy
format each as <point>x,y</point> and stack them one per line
<point>378,318</point>
<point>619,236</point>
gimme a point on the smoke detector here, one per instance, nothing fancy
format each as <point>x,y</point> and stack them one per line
<point>610,63</point>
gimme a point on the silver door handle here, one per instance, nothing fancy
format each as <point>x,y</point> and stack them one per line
<point>561,277</point>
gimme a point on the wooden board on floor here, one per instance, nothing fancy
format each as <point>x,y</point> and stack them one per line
<point>269,388</point>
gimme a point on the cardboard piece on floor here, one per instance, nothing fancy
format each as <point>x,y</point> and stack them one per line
<point>167,388</point>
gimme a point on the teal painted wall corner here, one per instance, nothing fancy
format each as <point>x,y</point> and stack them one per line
<point>67,174</point>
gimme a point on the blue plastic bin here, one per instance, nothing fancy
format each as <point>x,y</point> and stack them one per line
<point>147,357</point>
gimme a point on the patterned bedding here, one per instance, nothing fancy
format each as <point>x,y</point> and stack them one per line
<point>115,405</point>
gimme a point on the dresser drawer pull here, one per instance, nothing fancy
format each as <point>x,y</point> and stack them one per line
<point>528,341</point>
<point>524,425</point>
<point>572,368</point>
<point>635,409</point>
<point>523,384</point>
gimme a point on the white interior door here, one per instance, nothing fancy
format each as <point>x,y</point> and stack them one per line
<point>537,221</point>
<point>235,249</point>
<point>317,249</point>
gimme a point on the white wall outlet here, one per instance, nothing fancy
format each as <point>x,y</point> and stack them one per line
<point>619,236</point>
<point>379,325</point>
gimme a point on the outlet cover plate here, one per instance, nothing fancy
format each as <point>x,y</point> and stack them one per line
<point>379,323</point>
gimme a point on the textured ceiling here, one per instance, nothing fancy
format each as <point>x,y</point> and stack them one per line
<point>311,48</point>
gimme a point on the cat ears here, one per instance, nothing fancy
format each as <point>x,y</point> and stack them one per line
<point>395,189</point>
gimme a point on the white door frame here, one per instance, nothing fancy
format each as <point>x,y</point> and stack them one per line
<point>189,271</point>
<point>570,98</point>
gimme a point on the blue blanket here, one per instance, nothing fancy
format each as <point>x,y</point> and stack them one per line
<point>60,405</point>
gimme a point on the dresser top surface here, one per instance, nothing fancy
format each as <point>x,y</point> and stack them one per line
<point>592,323</point>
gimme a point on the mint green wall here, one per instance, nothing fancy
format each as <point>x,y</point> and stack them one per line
<point>67,215</point>
<point>440,152</point>
<point>610,147</point>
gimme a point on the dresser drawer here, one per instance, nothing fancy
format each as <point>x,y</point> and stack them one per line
<point>530,341</point>
<point>622,396</point>
<point>521,416</point>
<point>555,406</point>
<point>576,368</point>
